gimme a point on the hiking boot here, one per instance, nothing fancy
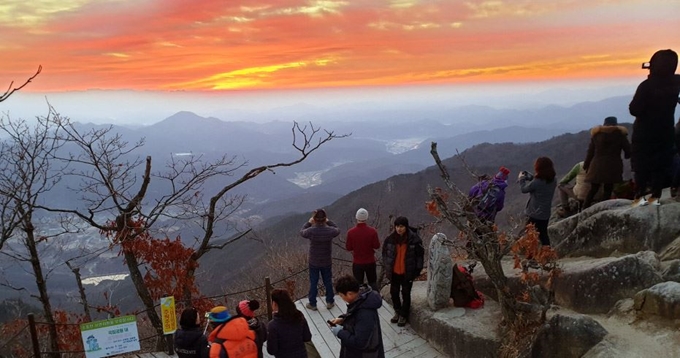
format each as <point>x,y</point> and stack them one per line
<point>395,318</point>
<point>330,305</point>
<point>402,321</point>
<point>311,307</point>
<point>654,201</point>
<point>639,202</point>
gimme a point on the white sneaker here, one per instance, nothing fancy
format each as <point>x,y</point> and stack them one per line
<point>639,202</point>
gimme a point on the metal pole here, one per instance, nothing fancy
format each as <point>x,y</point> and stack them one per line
<point>268,294</point>
<point>171,344</point>
<point>34,335</point>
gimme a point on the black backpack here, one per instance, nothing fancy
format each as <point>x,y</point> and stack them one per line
<point>462,288</point>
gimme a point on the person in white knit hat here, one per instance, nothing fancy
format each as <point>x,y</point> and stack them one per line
<point>362,241</point>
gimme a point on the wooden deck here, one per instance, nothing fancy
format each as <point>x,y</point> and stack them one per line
<point>399,342</point>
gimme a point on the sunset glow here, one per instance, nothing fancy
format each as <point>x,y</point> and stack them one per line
<point>280,44</point>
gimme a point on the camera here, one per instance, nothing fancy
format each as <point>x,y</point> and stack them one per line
<point>645,65</point>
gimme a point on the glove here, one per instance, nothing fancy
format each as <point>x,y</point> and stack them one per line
<point>336,329</point>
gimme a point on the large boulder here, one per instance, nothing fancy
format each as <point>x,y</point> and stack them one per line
<point>671,271</point>
<point>567,336</point>
<point>614,225</point>
<point>672,251</point>
<point>595,286</point>
<point>661,300</point>
<point>439,273</point>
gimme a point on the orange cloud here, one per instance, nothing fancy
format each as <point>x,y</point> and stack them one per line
<point>215,45</point>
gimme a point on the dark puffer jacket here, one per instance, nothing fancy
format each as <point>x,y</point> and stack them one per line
<point>603,161</point>
<point>653,106</point>
<point>260,330</point>
<point>414,254</point>
<point>320,242</point>
<point>191,343</point>
<point>361,336</point>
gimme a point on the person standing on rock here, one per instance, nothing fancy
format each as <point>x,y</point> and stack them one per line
<point>603,162</point>
<point>403,255</point>
<point>320,231</point>
<point>541,188</point>
<point>362,241</point>
<point>653,107</point>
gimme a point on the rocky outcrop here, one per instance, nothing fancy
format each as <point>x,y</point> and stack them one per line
<point>456,331</point>
<point>614,225</point>
<point>661,300</point>
<point>439,273</point>
<point>596,286</point>
<point>672,251</point>
<point>567,336</point>
<point>671,271</point>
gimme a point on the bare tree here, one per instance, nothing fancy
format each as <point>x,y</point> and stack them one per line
<point>26,173</point>
<point>488,245</point>
<point>116,202</point>
<point>10,90</point>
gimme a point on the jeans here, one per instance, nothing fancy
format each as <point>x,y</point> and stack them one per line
<point>369,270</point>
<point>327,277</point>
<point>399,284</point>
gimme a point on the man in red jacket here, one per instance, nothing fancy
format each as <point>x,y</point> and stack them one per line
<point>362,241</point>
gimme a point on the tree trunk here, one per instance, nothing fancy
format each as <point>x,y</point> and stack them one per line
<point>42,288</point>
<point>145,296</point>
<point>494,270</point>
<point>81,290</point>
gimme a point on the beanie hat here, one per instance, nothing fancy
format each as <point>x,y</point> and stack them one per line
<point>610,121</point>
<point>362,214</point>
<point>320,215</point>
<point>401,221</point>
<point>663,63</point>
<point>219,314</point>
<point>503,173</point>
<point>247,308</point>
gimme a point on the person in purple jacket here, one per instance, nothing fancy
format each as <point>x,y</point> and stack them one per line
<point>320,231</point>
<point>488,195</point>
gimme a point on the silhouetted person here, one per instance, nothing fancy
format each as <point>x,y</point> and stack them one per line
<point>603,162</point>
<point>653,134</point>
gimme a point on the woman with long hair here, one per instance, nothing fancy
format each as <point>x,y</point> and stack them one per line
<point>190,342</point>
<point>541,188</point>
<point>288,330</point>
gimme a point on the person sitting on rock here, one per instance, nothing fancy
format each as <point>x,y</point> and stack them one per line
<point>578,191</point>
<point>603,162</point>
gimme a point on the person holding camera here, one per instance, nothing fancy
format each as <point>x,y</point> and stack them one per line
<point>653,107</point>
<point>320,232</point>
<point>541,188</point>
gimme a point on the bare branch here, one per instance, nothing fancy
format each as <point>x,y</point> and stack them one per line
<point>11,90</point>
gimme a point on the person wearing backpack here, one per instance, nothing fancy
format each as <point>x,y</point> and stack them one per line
<point>403,256</point>
<point>488,195</point>
<point>231,336</point>
<point>246,309</point>
<point>358,329</point>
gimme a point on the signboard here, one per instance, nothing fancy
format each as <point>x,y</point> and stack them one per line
<point>109,337</point>
<point>168,315</point>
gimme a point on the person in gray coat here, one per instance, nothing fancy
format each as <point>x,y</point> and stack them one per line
<point>320,231</point>
<point>541,187</point>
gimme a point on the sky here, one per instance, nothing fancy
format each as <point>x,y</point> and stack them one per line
<point>220,46</point>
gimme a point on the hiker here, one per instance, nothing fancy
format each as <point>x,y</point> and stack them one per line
<point>320,231</point>
<point>230,336</point>
<point>653,107</point>
<point>578,191</point>
<point>402,255</point>
<point>675,181</point>
<point>603,162</point>
<point>358,329</point>
<point>288,330</point>
<point>190,342</point>
<point>541,188</point>
<point>246,309</point>
<point>362,241</point>
<point>488,195</point>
